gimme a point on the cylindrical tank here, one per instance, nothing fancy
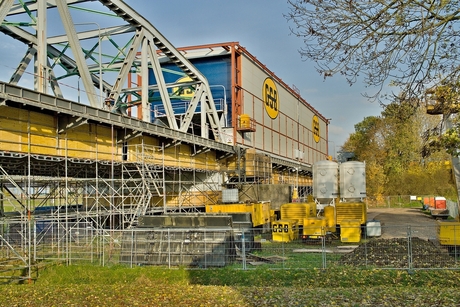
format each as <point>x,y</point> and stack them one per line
<point>325,181</point>
<point>298,211</point>
<point>352,180</point>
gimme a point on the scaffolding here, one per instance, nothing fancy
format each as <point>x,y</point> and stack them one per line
<point>74,177</point>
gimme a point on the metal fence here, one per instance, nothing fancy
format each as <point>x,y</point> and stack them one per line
<point>395,247</point>
<point>406,201</point>
<point>404,247</point>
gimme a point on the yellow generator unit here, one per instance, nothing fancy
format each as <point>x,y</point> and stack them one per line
<point>285,230</point>
<point>350,231</point>
<point>260,212</point>
<point>449,233</point>
<point>274,215</point>
<point>351,211</point>
<point>314,227</point>
<point>298,211</point>
<point>329,215</point>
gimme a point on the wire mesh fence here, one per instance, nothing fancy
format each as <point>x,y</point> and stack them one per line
<point>391,247</point>
<point>249,248</point>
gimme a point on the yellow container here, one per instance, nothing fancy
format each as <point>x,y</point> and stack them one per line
<point>260,212</point>
<point>449,232</point>
<point>350,231</point>
<point>329,215</point>
<point>314,227</point>
<point>285,230</point>
<point>298,211</point>
<point>350,211</point>
<point>245,121</point>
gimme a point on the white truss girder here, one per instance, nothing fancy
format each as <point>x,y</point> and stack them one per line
<point>141,52</point>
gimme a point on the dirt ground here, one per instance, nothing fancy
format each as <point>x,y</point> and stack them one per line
<point>398,222</point>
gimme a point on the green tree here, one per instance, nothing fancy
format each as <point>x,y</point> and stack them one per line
<point>392,147</point>
<point>444,100</point>
<point>401,137</point>
<point>407,43</point>
<point>367,144</point>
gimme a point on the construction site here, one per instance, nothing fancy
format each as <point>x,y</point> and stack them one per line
<point>100,126</point>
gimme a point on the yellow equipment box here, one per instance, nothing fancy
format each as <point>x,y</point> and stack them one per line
<point>285,230</point>
<point>314,227</point>
<point>329,215</point>
<point>260,212</point>
<point>351,211</point>
<point>350,231</point>
<point>449,232</point>
<point>298,211</point>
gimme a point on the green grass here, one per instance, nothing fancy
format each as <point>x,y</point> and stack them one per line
<point>260,276</point>
<point>87,285</point>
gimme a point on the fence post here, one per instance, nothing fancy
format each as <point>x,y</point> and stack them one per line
<point>284,254</point>
<point>323,246</point>
<point>409,248</point>
<point>365,246</point>
<point>169,248</point>
<point>35,239</point>
<point>132,249</point>
<point>243,250</point>
<point>456,251</point>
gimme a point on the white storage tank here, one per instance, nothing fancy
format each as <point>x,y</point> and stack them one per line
<point>352,181</point>
<point>325,181</point>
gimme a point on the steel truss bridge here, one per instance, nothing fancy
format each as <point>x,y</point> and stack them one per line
<point>99,164</point>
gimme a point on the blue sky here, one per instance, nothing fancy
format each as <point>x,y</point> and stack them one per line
<point>259,26</point>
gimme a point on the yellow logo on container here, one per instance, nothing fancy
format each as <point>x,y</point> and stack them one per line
<point>270,97</point>
<point>185,92</point>
<point>315,128</point>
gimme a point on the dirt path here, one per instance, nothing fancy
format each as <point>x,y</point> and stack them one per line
<point>398,222</point>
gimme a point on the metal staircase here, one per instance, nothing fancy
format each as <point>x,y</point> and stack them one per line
<point>142,183</point>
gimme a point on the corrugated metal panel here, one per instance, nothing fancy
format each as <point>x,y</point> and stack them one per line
<point>351,211</point>
<point>197,247</point>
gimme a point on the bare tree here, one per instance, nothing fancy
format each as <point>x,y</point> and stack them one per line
<point>411,44</point>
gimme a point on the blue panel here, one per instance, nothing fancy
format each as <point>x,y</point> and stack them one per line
<point>218,72</point>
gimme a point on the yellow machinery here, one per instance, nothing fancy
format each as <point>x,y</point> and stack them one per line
<point>350,231</point>
<point>329,215</point>
<point>449,233</point>
<point>350,216</point>
<point>260,212</point>
<point>285,230</point>
<point>351,211</point>
<point>314,227</point>
<point>298,211</point>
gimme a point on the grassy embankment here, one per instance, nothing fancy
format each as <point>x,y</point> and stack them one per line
<point>87,285</point>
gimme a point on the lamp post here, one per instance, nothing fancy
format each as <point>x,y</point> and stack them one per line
<point>334,156</point>
<point>101,90</point>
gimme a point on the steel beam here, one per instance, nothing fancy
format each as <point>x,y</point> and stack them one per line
<point>41,67</point>
<point>126,67</point>
<point>156,67</point>
<point>12,94</point>
<point>192,108</point>
<point>78,54</point>
<point>5,7</point>
<point>146,34</point>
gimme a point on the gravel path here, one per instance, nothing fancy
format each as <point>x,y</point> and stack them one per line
<point>398,222</point>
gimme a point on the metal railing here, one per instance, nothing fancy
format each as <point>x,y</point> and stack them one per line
<point>395,247</point>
